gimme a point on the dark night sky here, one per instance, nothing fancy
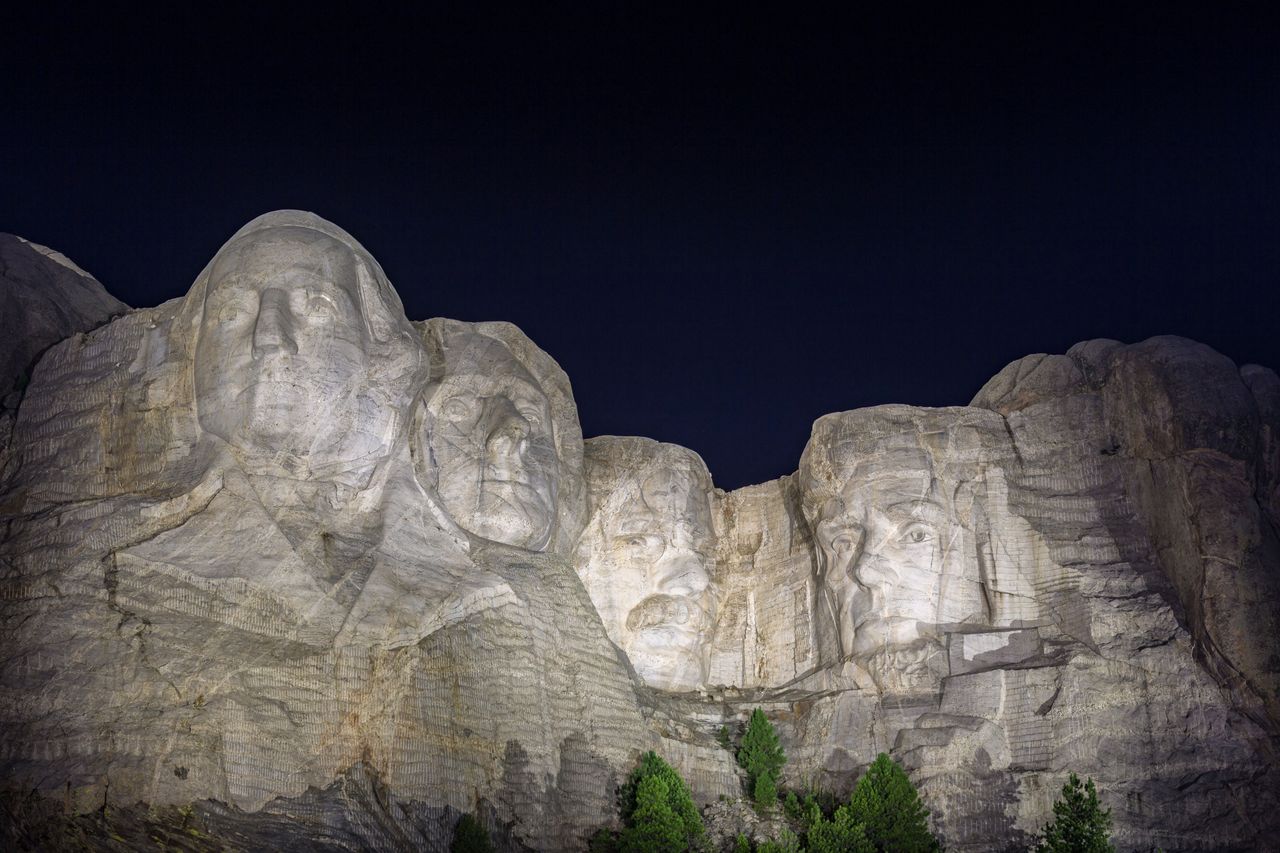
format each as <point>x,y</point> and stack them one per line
<point>721,227</point>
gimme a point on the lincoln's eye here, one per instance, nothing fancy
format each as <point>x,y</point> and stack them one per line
<point>916,534</point>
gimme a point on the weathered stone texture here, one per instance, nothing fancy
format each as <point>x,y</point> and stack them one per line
<point>274,551</point>
<point>44,298</point>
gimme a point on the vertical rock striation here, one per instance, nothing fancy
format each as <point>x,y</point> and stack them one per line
<point>275,560</point>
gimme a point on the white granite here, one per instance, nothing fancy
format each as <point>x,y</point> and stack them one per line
<point>273,535</point>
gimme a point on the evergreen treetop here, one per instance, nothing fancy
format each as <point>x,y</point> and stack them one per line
<point>654,826</point>
<point>841,834</point>
<point>651,822</point>
<point>760,752</point>
<point>1080,824</point>
<point>889,809</point>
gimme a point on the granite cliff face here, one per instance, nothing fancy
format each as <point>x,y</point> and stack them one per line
<point>44,298</point>
<point>277,553</point>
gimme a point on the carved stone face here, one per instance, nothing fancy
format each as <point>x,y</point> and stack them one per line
<point>489,433</point>
<point>899,564</point>
<point>646,562</point>
<point>283,347</point>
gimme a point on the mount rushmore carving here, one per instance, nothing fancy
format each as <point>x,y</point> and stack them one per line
<point>272,534</point>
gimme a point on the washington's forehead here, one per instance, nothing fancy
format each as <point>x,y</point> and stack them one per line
<point>287,245</point>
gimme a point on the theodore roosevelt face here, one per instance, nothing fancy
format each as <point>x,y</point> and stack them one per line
<point>647,565</point>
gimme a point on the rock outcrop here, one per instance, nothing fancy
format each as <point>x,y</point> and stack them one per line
<point>44,298</point>
<point>279,559</point>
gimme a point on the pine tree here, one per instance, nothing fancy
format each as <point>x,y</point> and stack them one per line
<point>841,834</point>
<point>889,809</point>
<point>470,837</point>
<point>765,792</point>
<point>787,841</point>
<point>760,754</point>
<point>1080,824</point>
<point>677,809</point>
<point>654,828</point>
<point>792,808</point>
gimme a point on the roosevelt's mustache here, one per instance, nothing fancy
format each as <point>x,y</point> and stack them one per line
<point>658,610</point>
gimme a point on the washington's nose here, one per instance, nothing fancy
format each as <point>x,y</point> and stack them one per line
<point>273,330</point>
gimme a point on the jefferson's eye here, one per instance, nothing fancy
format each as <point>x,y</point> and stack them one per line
<point>457,408</point>
<point>916,534</point>
<point>532,415</point>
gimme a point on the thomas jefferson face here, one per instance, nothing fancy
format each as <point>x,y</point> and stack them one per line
<point>648,571</point>
<point>489,432</point>
<point>283,350</point>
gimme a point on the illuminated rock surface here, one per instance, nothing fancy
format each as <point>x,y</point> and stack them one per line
<point>44,298</point>
<point>272,545</point>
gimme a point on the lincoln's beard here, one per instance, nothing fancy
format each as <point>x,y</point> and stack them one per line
<point>915,667</point>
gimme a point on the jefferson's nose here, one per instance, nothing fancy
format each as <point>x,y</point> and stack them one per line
<point>273,330</point>
<point>508,430</point>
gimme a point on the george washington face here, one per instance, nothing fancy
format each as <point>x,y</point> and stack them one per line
<point>285,361</point>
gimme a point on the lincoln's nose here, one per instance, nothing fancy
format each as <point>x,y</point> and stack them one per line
<point>872,570</point>
<point>273,330</point>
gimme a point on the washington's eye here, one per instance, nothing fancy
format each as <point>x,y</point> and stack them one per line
<point>320,305</point>
<point>457,408</point>
<point>532,415</point>
<point>915,534</point>
<point>233,303</point>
